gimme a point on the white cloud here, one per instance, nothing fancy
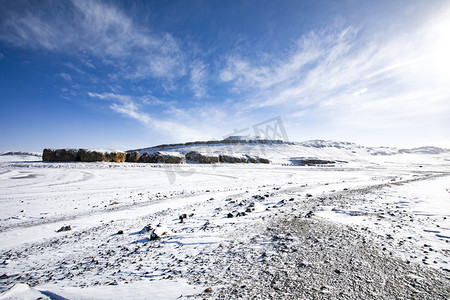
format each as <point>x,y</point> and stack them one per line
<point>198,79</point>
<point>175,126</point>
<point>360,92</point>
<point>65,76</point>
<point>111,96</point>
<point>97,29</point>
<point>404,78</point>
<point>130,110</point>
<point>291,70</point>
<point>146,100</point>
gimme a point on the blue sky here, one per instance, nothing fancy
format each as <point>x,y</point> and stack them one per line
<point>129,74</point>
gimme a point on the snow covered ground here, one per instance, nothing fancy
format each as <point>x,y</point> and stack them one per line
<point>233,219</point>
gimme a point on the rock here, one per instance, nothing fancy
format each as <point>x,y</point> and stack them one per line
<point>168,158</point>
<point>163,157</point>
<point>182,217</point>
<point>159,232</point>
<point>226,158</point>
<point>145,158</point>
<point>132,157</point>
<point>64,228</point>
<point>116,156</point>
<point>49,155</point>
<point>147,228</point>
<point>208,290</point>
<point>243,202</point>
<point>236,214</point>
<point>243,159</point>
<point>308,195</point>
<point>311,161</point>
<point>91,156</point>
<point>252,159</point>
<point>264,160</point>
<point>233,159</point>
<point>233,214</point>
<point>82,155</point>
<point>106,156</point>
<point>120,232</point>
<point>67,155</point>
<point>202,158</point>
<point>309,214</point>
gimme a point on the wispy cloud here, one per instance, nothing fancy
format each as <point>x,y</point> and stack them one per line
<point>111,96</point>
<point>97,29</point>
<point>340,74</point>
<point>144,100</point>
<point>130,110</point>
<point>65,76</point>
<point>134,108</point>
<point>198,79</point>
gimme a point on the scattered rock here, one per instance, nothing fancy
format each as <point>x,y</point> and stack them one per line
<point>49,155</point>
<point>168,158</point>
<point>64,228</point>
<point>310,161</point>
<point>132,156</point>
<point>233,214</point>
<point>202,158</point>
<point>264,160</point>
<point>67,155</point>
<point>91,156</point>
<point>233,159</point>
<point>182,217</point>
<point>309,214</point>
<point>145,158</point>
<point>159,232</point>
<point>82,155</point>
<point>252,159</point>
<point>205,226</point>
<point>147,228</point>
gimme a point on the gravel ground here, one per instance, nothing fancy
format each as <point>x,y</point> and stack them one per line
<point>297,257</point>
<point>285,252</point>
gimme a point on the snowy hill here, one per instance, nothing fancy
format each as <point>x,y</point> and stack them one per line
<point>200,229</point>
<point>20,153</point>
<point>284,152</point>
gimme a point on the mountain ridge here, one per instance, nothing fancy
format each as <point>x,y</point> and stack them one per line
<point>317,143</point>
